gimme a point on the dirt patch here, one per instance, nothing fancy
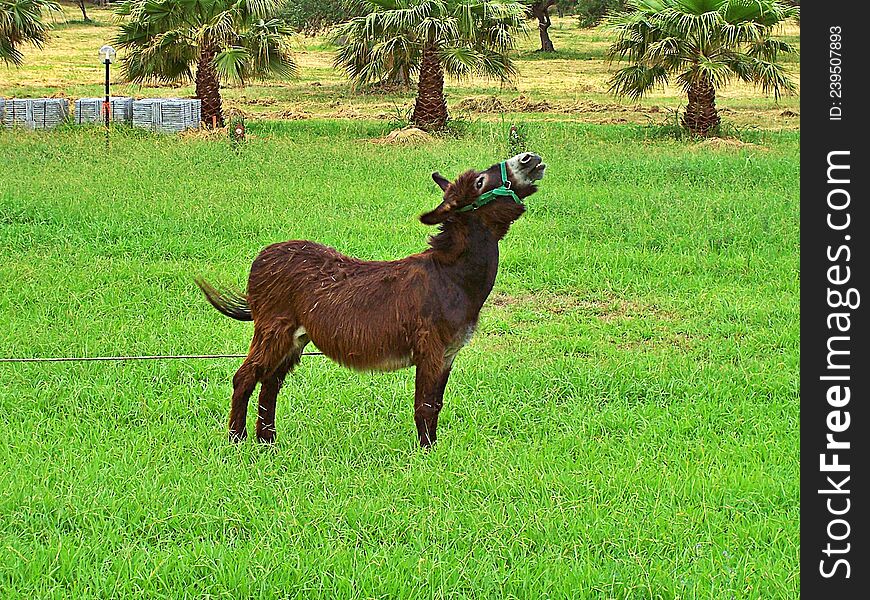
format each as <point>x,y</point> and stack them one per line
<point>606,308</point>
<point>407,135</point>
<point>789,113</point>
<point>615,309</point>
<point>553,303</point>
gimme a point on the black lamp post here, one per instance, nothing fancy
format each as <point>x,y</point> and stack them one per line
<point>107,54</point>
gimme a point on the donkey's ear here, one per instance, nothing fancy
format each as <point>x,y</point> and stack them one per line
<point>442,181</point>
<point>433,217</point>
<point>439,215</point>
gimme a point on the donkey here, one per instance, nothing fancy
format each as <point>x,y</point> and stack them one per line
<point>378,315</point>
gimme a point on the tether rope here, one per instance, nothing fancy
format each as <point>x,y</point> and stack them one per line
<point>122,358</point>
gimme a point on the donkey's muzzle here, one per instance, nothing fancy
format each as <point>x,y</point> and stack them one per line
<point>527,165</point>
<point>533,165</point>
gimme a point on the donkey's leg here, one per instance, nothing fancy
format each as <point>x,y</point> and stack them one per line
<point>439,397</point>
<point>269,395</point>
<point>426,398</point>
<point>268,349</point>
<point>244,382</point>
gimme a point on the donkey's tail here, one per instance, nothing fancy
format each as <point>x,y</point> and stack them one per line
<point>228,303</point>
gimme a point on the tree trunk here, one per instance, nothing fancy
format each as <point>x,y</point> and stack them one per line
<point>208,89</point>
<point>85,17</point>
<point>397,77</point>
<point>701,117</point>
<point>430,109</point>
<point>541,11</point>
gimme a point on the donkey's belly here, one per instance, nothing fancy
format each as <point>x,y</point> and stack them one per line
<point>383,363</point>
<point>390,363</point>
<point>360,356</point>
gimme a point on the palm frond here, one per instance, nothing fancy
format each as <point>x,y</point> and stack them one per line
<point>162,39</point>
<point>21,22</point>
<point>468,34</point>
<point>637,80</point>
<point>232,64</point>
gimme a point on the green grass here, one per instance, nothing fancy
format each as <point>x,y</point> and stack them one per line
<point>623,425</point>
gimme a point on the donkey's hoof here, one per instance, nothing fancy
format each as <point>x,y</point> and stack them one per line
<point>266,437</point>
<point>426,443</point>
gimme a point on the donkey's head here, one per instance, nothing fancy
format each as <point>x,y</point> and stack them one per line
<point>509,181</point>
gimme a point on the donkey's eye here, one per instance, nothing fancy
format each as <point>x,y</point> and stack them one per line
<point>480,181</point>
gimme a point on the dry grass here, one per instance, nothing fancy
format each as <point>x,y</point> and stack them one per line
<point>571,86</point>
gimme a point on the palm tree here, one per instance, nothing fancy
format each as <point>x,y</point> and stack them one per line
<point>21,23</point>
<point>704,43</point>
<point>226,40</point>
<point>430,38</point>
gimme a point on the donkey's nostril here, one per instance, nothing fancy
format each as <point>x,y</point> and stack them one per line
<point>526,158</point>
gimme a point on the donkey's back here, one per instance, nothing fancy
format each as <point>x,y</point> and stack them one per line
<point>362,314</point>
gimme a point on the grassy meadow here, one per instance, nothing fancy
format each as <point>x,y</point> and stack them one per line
<point>623,425</point>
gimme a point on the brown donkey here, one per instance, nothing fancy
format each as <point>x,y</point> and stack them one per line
<point>374,315</point>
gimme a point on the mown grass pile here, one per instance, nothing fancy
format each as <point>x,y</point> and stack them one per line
<point>624,424</point>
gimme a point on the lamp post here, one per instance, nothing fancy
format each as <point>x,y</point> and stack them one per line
<point>107,55</point>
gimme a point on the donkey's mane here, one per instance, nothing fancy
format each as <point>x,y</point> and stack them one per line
<point>451,240</point>
<point>452,237</point>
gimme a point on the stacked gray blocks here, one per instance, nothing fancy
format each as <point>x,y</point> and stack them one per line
<point>35,113</point>
<point>168,115</point>
<point>90,110</point>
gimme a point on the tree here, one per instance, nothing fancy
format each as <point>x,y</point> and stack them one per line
<point>315,16</point>
<point>21,23</point>
<point>704,43</point>
<point>81,5</point>
<point>540,10</point>
<point>430,38</point>
<point>226,40</point>
<point>564,7</point>
<point>591,12</point>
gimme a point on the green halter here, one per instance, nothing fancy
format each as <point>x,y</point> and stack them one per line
<point>504,190</point>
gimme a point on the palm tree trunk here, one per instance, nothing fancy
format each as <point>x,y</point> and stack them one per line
<point>208,89</point>
<point>430,108</point>
<point>701,117</point>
